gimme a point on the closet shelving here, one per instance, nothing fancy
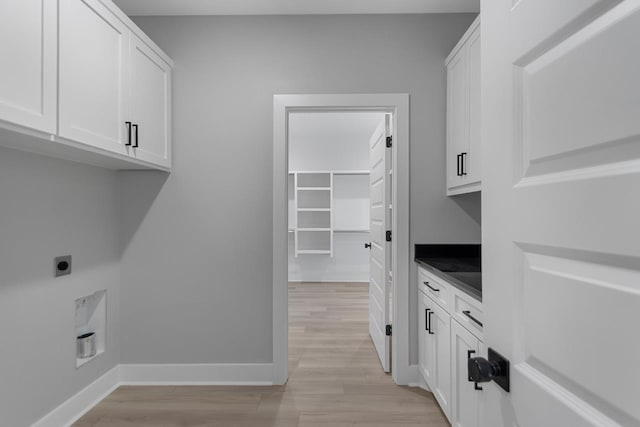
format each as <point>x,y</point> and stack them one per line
<point>326,202</point>
<point>313,220</point>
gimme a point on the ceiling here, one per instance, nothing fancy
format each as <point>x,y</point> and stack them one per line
<point>293,7</point>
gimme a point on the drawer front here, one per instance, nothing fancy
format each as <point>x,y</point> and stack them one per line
<point>468,312</point>
<point>439,290</point>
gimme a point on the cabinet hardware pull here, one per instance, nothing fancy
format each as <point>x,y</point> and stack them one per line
<point>135,126</point>
<point>469,353</point>
<point>468,314</point>
<point>431,287</point>
<point>429,318</point>
<point>458,165</point>
<point>463,172</point>
<point>426,319</point>
<point>128,133</point>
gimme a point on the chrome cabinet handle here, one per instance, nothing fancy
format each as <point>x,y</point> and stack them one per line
<point>468,314</point>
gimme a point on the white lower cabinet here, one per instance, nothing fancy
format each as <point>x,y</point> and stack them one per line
<point>440,326</point>
<point>425,339</point>
<point>444,345</point>
<point>464,404</point>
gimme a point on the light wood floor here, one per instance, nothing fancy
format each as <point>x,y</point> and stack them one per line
<point>335,379</point>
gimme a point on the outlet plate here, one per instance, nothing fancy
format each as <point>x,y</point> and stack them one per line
<point>62,265</point>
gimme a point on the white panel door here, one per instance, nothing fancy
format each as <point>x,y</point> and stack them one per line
<point>457,116</point>
<point>94,77</point>
<point>380,258</point>
<point>561,209</point>
<point>150,104</point>
<point>28,30</point>
<point>464,396</point>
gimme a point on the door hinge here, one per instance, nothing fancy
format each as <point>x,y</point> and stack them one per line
<point>389,141</point>
<point>387,330</point>
<point>388,235</point>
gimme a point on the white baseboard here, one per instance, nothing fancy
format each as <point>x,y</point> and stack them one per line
<point>198,374</point>
<point>156,374</point>
<point>80,403</point>
<point>407,376</point>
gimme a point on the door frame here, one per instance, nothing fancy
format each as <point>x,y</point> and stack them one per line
<point>398,105</point>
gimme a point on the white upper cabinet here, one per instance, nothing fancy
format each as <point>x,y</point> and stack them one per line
<point>472,166</point>
<point>80,81</point>
<point>93,75</point>
<point>457,113</point>
<point>150,104</point>
<point>463,114</point>
<point>28,72</point>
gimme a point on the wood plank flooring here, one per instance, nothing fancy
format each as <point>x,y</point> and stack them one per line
<point>335,379</point>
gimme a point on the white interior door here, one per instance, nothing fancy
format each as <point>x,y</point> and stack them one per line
<point>380,258</point>
<point>561,205</point>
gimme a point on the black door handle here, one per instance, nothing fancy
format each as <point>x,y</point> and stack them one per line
<point>367,245</point>
<point>426,320</point>
<point>458,165</point>
<point>128,133</point>
<point>429,319</point>
<point>495,367</point>
<point>135,126</point>
<point>462,168</point>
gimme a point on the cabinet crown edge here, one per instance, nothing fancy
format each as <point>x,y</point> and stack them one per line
<point>472,28</point>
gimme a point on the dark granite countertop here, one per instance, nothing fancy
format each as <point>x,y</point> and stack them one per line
<point>458,264</point>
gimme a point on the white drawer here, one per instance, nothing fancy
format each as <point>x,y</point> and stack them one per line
<point>468,312</point>
<point>439,290</point>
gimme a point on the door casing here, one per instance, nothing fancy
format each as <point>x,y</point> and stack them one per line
<point>398,106</point>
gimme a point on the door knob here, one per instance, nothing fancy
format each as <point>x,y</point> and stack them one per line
<point>367,245</point>
<point>496,368</point>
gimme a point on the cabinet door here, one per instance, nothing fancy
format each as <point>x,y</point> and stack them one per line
<point>150,104</point>
<point>426,348</point>
<point>464,401</point>
<point>472,161</point>
<point>457,113</point>
<point>440,325</point>
<point>93,88</point>
<point>28,30</point>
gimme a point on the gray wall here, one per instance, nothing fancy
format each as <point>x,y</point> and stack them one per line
<point>52,207</point>
<point>197,247</point>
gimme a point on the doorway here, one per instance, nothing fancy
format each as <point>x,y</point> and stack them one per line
<point>398,106</point>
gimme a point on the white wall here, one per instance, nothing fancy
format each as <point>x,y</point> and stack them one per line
<point>338,141</point>
<point>197,270</point>
<point>48,208</point>
<point>331,141</point>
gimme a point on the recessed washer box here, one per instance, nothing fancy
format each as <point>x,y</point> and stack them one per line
<point>91,316</point>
